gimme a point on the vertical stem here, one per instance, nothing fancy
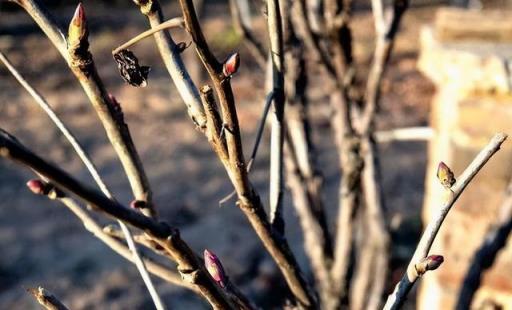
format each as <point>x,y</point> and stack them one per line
<point>275,29</point>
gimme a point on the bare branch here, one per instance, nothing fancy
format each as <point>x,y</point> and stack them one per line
<point>249,201</point>
<point>171,23</point>
<point>372,269</point>
<point>80,61</point>
<point>303,177</point>
<point>275,30</point>
<point>172,59</point>
<point>396,299</point>
<point>351,164</point>
<point>190,268</point>
<point>384,45</point>
<point>257,140</point>
<point>112,242</point>
<point>314,239</point>
<point>93,171</point>
<point>46,299</point>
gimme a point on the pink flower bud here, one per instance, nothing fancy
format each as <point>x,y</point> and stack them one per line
<point>231,65</point>
<point>138,204</point>
<point>434,261</point>
<point>431,262</point>
<point>37,186</point>
<point>214,267</point>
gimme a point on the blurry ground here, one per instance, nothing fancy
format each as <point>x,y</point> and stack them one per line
<point>43,244</point>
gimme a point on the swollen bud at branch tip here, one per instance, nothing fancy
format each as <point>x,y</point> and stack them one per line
<point>36,186</point>
<point>445,175</point>
<point>214,267</point>
<point>231,65</point>
<point>77,31</point>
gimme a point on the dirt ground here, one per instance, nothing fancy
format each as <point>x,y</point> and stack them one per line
<point>42,243</point>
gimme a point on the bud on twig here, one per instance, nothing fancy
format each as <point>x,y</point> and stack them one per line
<point>231,65</point>
<point>138,204</point>
<point>78,31</point>
<point>214,267</point>
<point>431,262</point>
<point>130,70</point>
<point>40,187</point>
<point>445,175</point>
<point>37,187</point>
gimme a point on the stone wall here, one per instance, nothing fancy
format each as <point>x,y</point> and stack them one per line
<point>473,101</point>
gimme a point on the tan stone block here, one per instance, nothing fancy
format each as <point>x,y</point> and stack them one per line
<point>454,24</point>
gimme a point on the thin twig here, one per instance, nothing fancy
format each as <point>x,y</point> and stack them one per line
<point>169,24</point>
<point>303,177</point>
<point>494,241</point>
<point>351,163</point>
<point>404,134</point>
<point>249,200</point>
<point>46,299</point>
<point>372,268</point>
<point>396,299</point>
<point>313,231</point>
<point>386,34</point>
<point>92,170</point>
<point>275,29</point>
<point>171,57</point>
<point>257,140</point>
<point>370,278</point>
<point>155,268</point>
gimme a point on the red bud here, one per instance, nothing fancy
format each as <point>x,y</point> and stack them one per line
<point>114,101</point>
<point>138,204</point>
<point>431,262</point>
<point>79,15</point>
<point>231,65</point>
<point>434,261</point>
<point>214,267</point>
<point>37,186</point>
<point>77,30</point>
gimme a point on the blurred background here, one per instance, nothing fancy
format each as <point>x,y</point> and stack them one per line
<point>42,243</point>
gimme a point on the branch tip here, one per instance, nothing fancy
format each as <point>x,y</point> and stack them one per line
<point>78,30</point>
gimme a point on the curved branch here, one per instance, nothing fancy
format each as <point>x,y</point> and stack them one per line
<point>396,299</point>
